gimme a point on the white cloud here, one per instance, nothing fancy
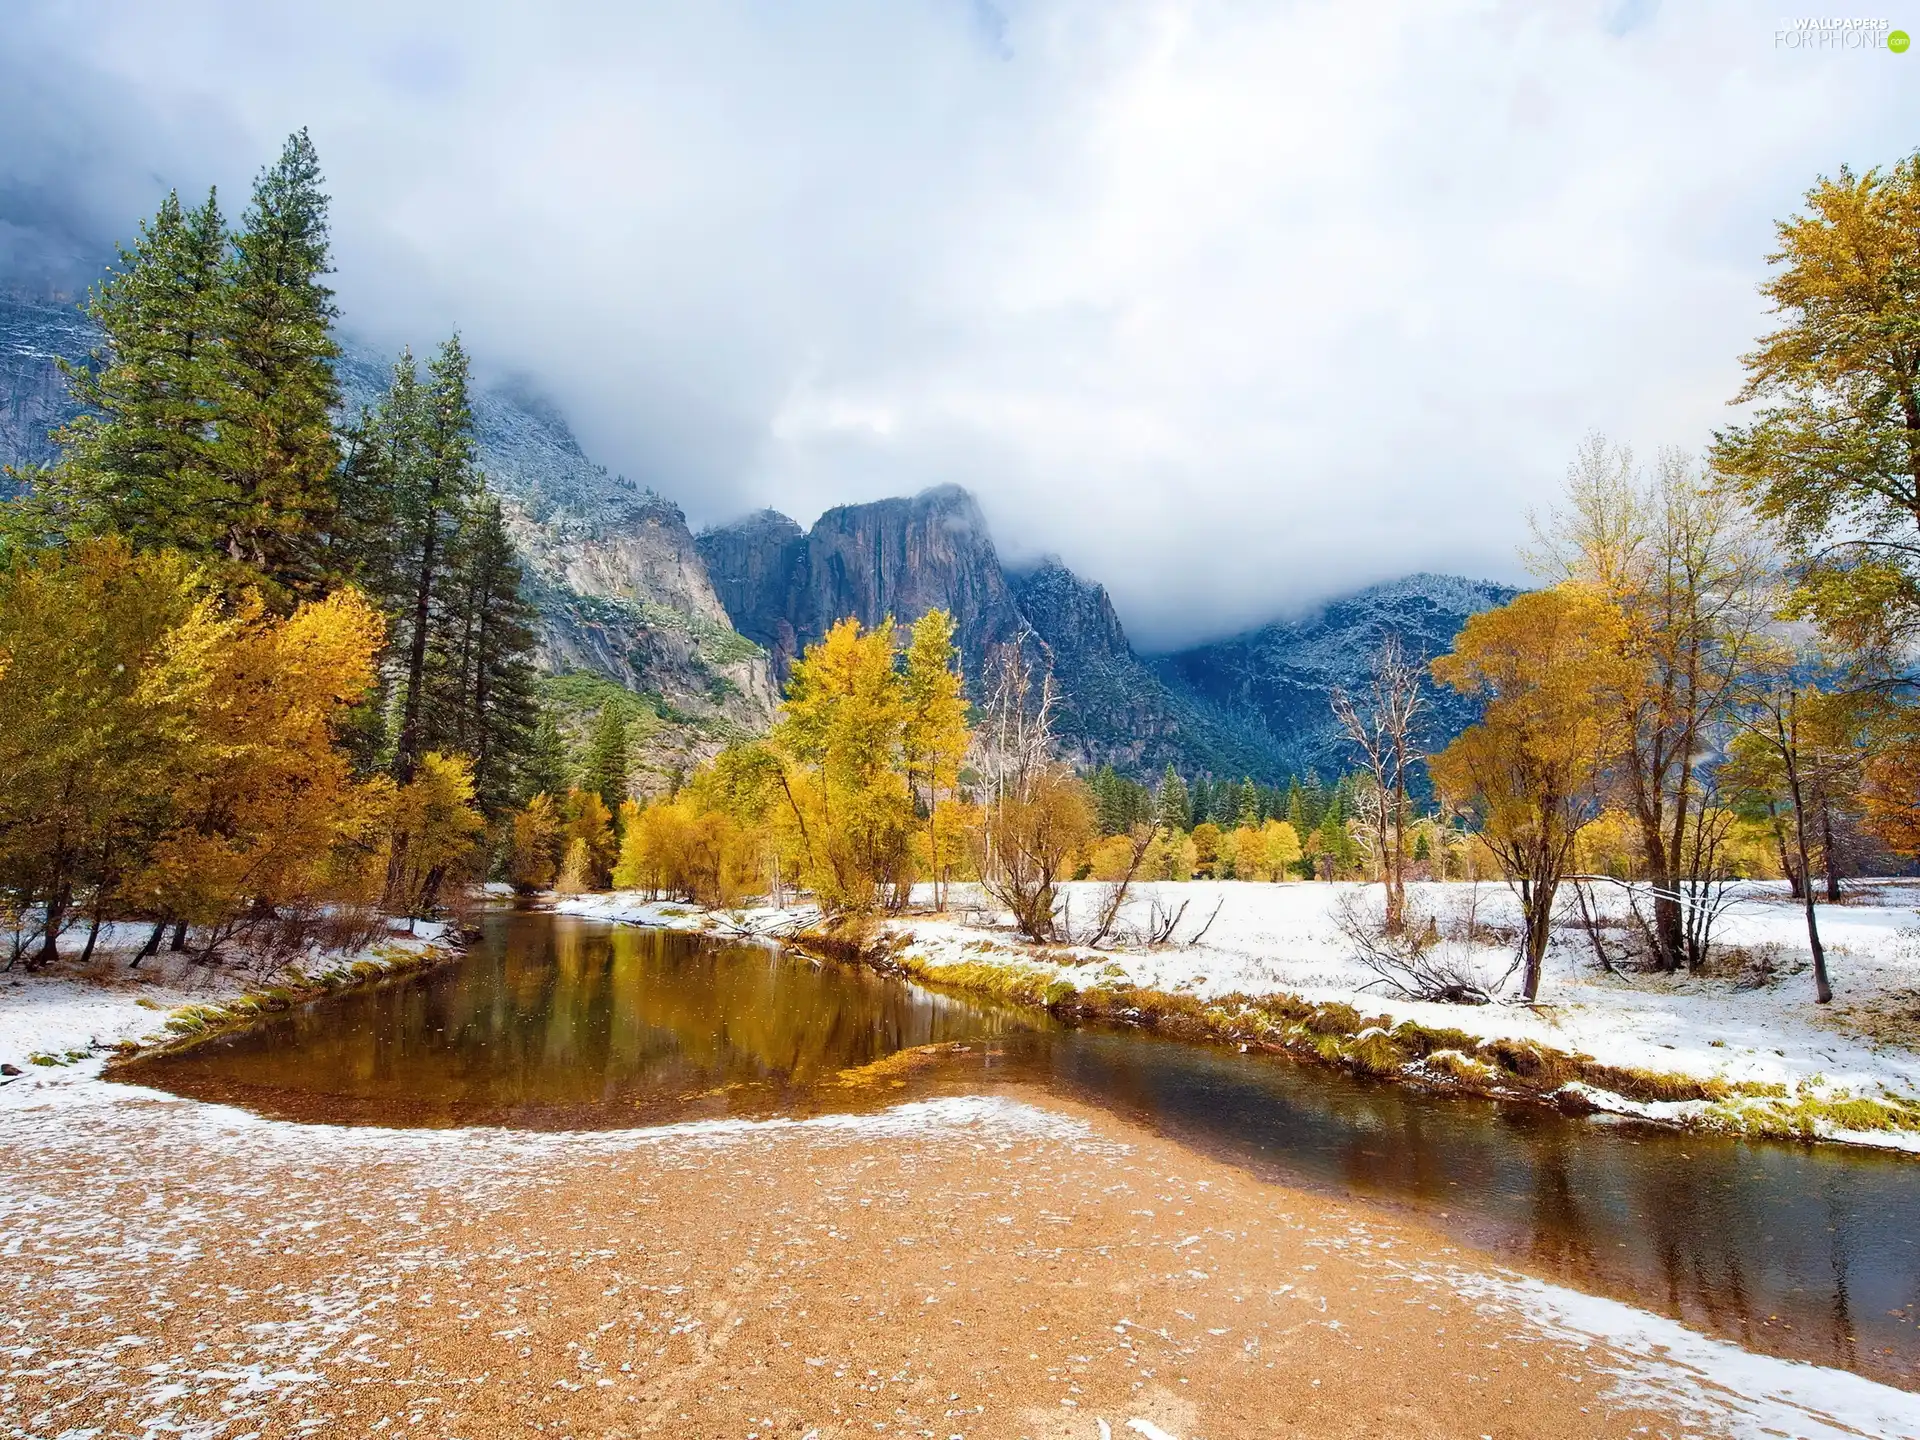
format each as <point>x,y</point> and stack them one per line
<point>1232,305</point>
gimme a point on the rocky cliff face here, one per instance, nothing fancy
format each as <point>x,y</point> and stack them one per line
<point>1116,710</point>
<point>34,336</point>
<point>613,568</point>
<point>751,565</point>
<point>892,557</point>
<point>626,595</point>
<point>784,588</point>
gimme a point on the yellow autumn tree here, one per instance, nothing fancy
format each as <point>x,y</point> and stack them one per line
<point>106,661</point>
<point>264,796</point>
<point>840,746</point>
<point>588,824</point>
<point>1282,844</point>
<point>434,829</point>
<point>533,852</point>
<point>933,743</point>
<point>1533,770</point>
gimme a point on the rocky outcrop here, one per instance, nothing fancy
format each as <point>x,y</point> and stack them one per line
<point>619,583</point>
<point>34,336</point>
<point>900,557</point>
<point>1114,709</point>
<point>626,595</point>
<point>751,564</point>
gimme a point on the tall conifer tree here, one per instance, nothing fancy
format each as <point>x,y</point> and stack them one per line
<point>277,456</point>
<point>138,462</point>
<point>433,487</point>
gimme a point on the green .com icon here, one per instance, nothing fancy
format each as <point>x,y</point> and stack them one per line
<point>1897,41</point>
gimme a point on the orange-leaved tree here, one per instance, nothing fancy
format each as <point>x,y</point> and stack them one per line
<point>1534,769</point>
<point>264,797</point>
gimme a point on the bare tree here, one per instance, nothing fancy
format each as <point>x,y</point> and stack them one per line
<point>1424,960</point>
<point>1379,723</point>
<point>1685,564</point>
<point>1113,894</point>
<point>1035,813</point>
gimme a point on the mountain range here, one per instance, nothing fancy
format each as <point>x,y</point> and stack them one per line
<point>706,627</point>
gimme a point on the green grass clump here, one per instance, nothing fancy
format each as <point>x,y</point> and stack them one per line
<point>1809,1117</point>
<point>1374,1052</point>
<point>1335,1019</point>
<point>1426,1039</point>
<point>1542,1068</point>
<point>1459,1065</point>
<point>196,1019</point>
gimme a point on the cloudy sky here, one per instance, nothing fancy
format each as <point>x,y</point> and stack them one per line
<point>1233,306</point>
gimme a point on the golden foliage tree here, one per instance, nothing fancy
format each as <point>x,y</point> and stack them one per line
<point>534,847</point>
<point>934,739</point>
<point>434,829</point>
<point>1681,561</point>
<point>1534,769</point>
<point>107,659</point>
<point>264,796</point>
<point>841,746</point>
<point>1832,458</point>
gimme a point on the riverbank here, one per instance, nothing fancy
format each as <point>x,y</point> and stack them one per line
<point>1741,1051</point>
<point>966,1267</point>
<point>73,1018</point>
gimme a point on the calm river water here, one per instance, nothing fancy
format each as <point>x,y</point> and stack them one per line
<point>558,1023</point>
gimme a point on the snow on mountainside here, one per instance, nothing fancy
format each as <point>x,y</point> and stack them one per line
<point>1282,674</point>
<point>34,335</point>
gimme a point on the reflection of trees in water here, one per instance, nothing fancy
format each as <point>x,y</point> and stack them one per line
<point>1838,1254</point>
<point>1564,1234</point>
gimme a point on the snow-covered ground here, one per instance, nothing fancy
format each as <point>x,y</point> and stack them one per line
<point>67,1021</point>
<point>1756,1024</point>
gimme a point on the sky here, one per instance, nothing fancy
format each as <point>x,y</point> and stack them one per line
<point>1233,307</point>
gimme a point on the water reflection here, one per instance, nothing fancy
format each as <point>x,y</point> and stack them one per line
<point>556,1022</point>
<point>561,1023</point>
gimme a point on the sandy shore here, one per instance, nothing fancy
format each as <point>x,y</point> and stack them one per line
<point>959,1268</point>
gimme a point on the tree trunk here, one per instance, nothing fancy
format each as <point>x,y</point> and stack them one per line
<point>93,938</point>
<point>406,752</point>
<point>179,936</point>
<point>1669,945</point>
<point>152,947</point>
<point>1538,914</point>
<point>1822,991</point>
<point>50,945</point>
<point>1830,862</point>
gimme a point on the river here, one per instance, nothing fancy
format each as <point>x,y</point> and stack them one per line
<point>552,1022</point>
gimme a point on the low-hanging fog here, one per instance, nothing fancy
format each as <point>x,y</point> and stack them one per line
<point>1233,306</point>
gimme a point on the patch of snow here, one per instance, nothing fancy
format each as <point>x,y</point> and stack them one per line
<point>1662,1364</point>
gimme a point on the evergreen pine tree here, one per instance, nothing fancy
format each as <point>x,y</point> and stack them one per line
<point>1110,801</point>
<point>434,483</point>
<point>1249,807</point>
<point>606,768</point>
<point>547,769</point>
<point>1315,796</point>
<point>139,460</point>
<point>1226,804</point>
<point>1172,812</point>
<point>275,454</point>
<point>484,659</point>
<point>1297,809</point>
<point>1200,801</point>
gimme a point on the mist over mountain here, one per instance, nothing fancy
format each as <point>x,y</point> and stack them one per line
<point>708,626</point>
